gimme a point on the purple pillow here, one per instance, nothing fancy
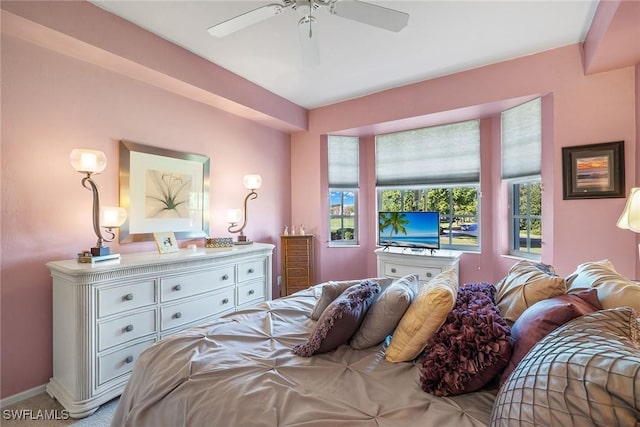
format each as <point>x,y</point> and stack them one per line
<point>471,348</point>
<point>340,320</point>
<point>546,316</point>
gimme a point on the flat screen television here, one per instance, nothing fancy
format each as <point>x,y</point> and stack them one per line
<point>416,230</point>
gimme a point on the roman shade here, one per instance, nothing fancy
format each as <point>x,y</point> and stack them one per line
<point>522,140</point>
<point>447,154</point>
<point>343,161</point>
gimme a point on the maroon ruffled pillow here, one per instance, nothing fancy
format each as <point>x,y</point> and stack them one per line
<point>340,320</point>
<point>471,348</point>
<point>544,317</point>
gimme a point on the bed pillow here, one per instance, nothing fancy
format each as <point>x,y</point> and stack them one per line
<point>340,320</point>
<point>614,290</point>
<point>471,348</point>
<point>386,312</point>
<point>587,369</point>
<point>525,284</point>
<point>426,313</point>
<point>544,317</point>
<point>332,290</point>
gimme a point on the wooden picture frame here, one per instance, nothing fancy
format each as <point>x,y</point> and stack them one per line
<point>166,242</point>
<point>593,171</point>
<point>163,190</point>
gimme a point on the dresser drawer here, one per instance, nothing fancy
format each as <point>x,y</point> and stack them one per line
<point>126,328</point>
<point>250,270</point>
<point>179,314</point>
<point>172,288</point>
<point>250,292</point>
<point>398,270</point>
<point>118,299</point>
<point>119,362</point>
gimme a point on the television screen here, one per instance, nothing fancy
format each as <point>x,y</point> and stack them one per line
<point>419,230</point>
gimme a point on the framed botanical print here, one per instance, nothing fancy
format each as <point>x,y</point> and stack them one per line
<point>163,191</point>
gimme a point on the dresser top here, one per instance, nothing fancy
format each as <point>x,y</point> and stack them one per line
<point>73,267</point>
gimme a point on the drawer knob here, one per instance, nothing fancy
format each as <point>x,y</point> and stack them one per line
<point>225,277</point>
<point>128,297</point>
<point>128,328</point>
<point>225,301</point>
<point>177,315</point>
<point>393,270</point>
<point>251,292</point>
<point>428,274</point>
<point>250,271</point>
<point>177,287</point>
<point>129,359</point>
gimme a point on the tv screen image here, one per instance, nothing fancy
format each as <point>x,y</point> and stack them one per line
<point>417,230</point>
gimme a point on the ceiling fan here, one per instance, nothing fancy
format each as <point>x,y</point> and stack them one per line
<point>367,13</point>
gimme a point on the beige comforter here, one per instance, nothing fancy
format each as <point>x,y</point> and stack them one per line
<point>240,371</point>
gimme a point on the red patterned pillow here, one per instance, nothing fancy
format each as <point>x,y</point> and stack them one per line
<point>471,348</point>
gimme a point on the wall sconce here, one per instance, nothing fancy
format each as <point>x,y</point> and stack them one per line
<point>630,217</point>
<point>252,183</point>
<point>92,162</point>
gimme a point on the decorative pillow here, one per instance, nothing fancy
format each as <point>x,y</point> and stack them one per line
<point>614,290</point>
<point>471,348</point>
<point>340,320</point>
<point>332,290</point>
<point>386,312</point>
<point>586,370</point>
<point>426,313</point>
<point>546,316</point>
<point>525,284</point>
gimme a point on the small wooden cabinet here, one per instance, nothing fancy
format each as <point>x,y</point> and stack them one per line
<point>297,263</point>
<point>401,262</point>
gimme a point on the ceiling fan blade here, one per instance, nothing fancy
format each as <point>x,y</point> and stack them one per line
<point>245,20</point>
<point>371,14</point>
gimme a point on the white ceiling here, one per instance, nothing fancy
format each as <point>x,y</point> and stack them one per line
<point>442,37</point>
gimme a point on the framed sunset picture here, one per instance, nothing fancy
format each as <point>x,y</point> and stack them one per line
<point>593,171</point>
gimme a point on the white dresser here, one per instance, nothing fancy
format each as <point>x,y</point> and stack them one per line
<point>397,262</point>
<point>106,314</point>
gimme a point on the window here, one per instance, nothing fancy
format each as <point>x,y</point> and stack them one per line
<point>458,208</point>
<point>526,199</point>
<point>343,190</point>
<point>434,169</point>
<point>521,166</point>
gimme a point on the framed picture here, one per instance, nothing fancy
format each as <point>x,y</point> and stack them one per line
<point>163,190</point>
<point>593,171</point>
<point>166,242</point>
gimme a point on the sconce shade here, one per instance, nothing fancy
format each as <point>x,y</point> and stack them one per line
<point>112,216</point>
<point>88,161</point>
<point>252,182</point>
<point>234,216</point>
<point>630,218</point>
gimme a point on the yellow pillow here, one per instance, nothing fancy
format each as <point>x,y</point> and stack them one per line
<point>426,313</point>
<point>525,284</point>
<point>614,290</point>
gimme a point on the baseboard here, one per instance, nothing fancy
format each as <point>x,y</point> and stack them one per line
<point>24,395</point>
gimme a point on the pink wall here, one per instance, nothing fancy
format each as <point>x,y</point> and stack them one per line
<point>579,110</point>
<point>51,104</point>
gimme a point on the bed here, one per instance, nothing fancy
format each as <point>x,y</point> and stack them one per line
<point>534,349</point>
<point>241,371</point>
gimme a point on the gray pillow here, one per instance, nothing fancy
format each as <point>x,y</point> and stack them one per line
<point>385,314</point>
<point>340,320</point>
<point>332,290</point>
